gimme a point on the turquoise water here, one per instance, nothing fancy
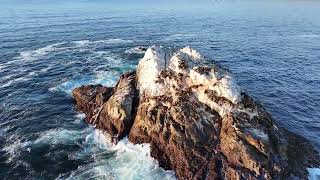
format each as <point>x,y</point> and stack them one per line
<point>46,50</point>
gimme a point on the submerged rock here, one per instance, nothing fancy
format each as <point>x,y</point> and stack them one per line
<point>197,119</point>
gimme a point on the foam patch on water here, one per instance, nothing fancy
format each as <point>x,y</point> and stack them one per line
<point>107,41</point>
<point>38,53</point>
<point>15,80</point>
<point>8,77</point>
<point>13,148</point>
<point>46,69</point>
<point>107,58</point>
<point>4,127</point>
<point>103,74</point>
<point>59,136</point>
<point>136,50</point>
<point>2,66</point>
<point>32,55</point>
<point>32,74</point>
<point>100,158</point>
<point>309,36</point>
<point>103,78</point>
<point>122,161</point>
<point>114,41</point>
<point>314,173</point>
<point>82,42</point>
<point>79,118</point>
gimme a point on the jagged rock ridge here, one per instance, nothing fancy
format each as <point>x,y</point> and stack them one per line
<point>197,119</point>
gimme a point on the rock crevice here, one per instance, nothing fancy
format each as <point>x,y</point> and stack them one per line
<point>197,119</point>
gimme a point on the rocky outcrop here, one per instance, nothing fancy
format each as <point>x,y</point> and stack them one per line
<point>197,119</point>
<point>90,98</point>
<point>109,109</point>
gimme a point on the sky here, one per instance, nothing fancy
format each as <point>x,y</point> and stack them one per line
<point>125,4</point>
<point>116,3</point>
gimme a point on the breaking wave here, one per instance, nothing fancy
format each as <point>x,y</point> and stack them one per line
<point>314,173</point>
<point>122,161</point>
<point>99,157</point>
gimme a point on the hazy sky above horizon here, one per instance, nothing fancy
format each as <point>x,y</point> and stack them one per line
<point>131,4</point>
<point>113,3</point>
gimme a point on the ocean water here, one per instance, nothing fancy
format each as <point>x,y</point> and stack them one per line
<point>273,48</point>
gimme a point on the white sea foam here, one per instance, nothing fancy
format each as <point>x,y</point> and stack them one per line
<point>114,41</point>
<point>108,78</point>
<point>12,78</point>
<point>122,161</point>
<point>15,80</point>
<point>106,41</point>
<point>44,70</point>
<point>68,86</point>
<point>32,55</point>
<point>107,57</point>
<point>59,136</point>
<point>104,160</point>
<point>81,116</point>
<point>309,36</point>
<point>82,42</point>
<point>14,146</point>
<point>4,128</point>
<point>12,149</point>
<point>2,66</point>
<point>136,50</point>
<point>32,74</point>
<point>7,77</point>
<point>102,74</point>
<point>314,173</point>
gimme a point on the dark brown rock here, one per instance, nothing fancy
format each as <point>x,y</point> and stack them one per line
<point>90,97</point>
<point>110,109</point>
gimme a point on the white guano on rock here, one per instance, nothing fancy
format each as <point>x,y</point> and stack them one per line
<point>187,64</point>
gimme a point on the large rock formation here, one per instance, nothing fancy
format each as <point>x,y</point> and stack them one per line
<point>197,119</point>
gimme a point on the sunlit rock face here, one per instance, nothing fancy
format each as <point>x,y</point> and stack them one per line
<point>197,120</point>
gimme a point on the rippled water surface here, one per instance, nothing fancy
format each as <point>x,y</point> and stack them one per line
<point>272,48</point>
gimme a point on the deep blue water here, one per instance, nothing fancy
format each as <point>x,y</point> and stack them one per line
<point>273,48</point>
